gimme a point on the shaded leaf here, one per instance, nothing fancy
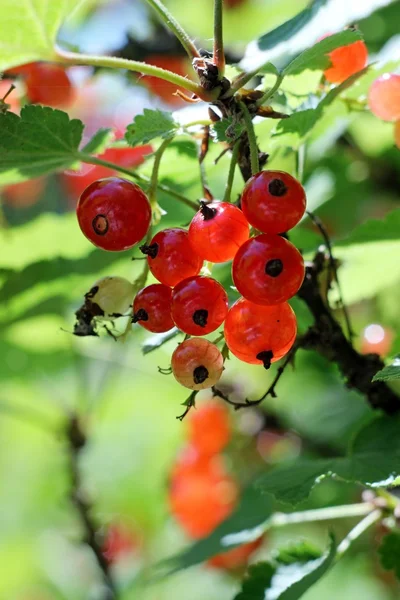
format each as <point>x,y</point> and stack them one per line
<point>373,460</point>
<point>375,230</point>
<point>227,131</point>
<point>389,552</point>
<point>389,373</point>
<point>150,125</point>
<point>289,579</point>
<point>99,142</point>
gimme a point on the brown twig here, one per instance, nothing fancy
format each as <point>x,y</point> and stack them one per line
<point>76,442</point>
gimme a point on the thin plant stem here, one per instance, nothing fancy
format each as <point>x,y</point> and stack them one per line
<point>175,27</point>
<point>114,62</point>
<point>231,172</point>
<point>255,165</point>
<point>371,518</point>
<point>269,93</point>
<point>321,514</point>
<point>93,160</point>
<point>219,56</point>
<point>156,169</point>
<point>301,161</point>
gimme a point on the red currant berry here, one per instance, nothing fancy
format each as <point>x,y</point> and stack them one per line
<point>171,256</point>
<point>164,89</point>
<point>237,557</point>
<point>199,305</point>
<point>260,334</point>
<point>384,97</point>
<point>114,214</point>
<point>197,364</point>
<point>273,201</point>
<point>346,61</point>
<point>376,340</point>
<point>268,269</point>
<point>209,429</point>
<point>48,84</point>
<point>217,231</point>
<point>152,308</point>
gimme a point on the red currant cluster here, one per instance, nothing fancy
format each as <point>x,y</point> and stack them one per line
<point>384,101</point>
<point>200,479</point>
<point>267,269</point>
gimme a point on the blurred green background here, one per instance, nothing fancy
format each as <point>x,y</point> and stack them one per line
<point>46,265</point>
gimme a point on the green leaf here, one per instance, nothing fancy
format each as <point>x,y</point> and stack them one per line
<point>369,259</point>
<point>40,141</point>
<point>373,460</point>
<point>99,142</point>
<point>28,29</point>
<point>227,131</point>
<point>288,579</point>
<point>150,125</point>
<point>389,552</point>
<point>186,147</point>
<point>244,525</point>
<point>302,122</point>
<point>389,373</point>
<point>317,57</point>
<point>281,45</point>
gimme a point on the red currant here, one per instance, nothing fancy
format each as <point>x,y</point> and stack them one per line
<point>346,61</point>
<point>260,334</point>
<point>171,256</point>
<point>199,305</point>
<point>273,201</point>
<point>376,340</point>
<point>384,97</point>
<point>114,214</point>
<point>152,308</point>
<point>197,364</point>
<point>209,428</point>
<point>217,231</point>
<point>164,89</point>
<point>48,84</point>
<point>206,485</point>
<point>268,269</point>
<point>120,541</point>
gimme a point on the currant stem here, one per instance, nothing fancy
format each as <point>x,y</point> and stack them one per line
<point>231,172</point>
<point>12,87</point>
<point>154,179</point>
<point>219,56</point>
<point>268,94</point>
<point>255,165</point>
<point>175,27</point>
<point>371,518</point>
<point>93,160</point>
<point>114,62</point>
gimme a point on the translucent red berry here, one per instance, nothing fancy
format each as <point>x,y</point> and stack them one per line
<point>217,231</point>
<point>48,84</point>
<point>201,498</point>
<point>268,269</point>
<point>260,334</point>
<point>171,256</point>
<point>152,308</point>
<point>199,305</point>
<point>273,201</point>
<point>120,541</point>
<point>197,364</point>
<point>209,429</point>
<point>346,61</point>
<point>164,89</point>
<point>114,214</point>
<point>384,97</point>
<point>376,340</point>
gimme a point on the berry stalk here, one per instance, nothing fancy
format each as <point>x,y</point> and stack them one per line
<point>218,56</point>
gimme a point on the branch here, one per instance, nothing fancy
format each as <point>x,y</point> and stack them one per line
<point>327,338</point>
<point>175,27</point>
<point>218,57</point>
<point>76,441</point>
